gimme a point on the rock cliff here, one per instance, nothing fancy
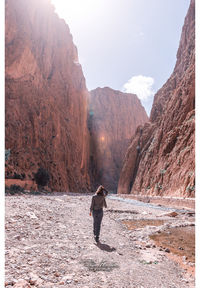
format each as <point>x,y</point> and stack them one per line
<point>160,159</point>
<point>113,118</point>
<point>46,97</point>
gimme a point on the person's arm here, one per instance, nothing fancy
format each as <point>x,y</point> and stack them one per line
<point>92,205</point>
<point>104,202</point>
<point>105,190</point>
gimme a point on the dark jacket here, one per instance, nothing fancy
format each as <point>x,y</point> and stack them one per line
<point>98,202</point>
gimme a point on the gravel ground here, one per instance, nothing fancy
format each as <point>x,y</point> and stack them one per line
<point>49,243</point>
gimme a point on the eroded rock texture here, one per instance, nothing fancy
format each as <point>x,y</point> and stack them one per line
<point>113,118</point>
<point>46,97</point>
<point>160,159</point>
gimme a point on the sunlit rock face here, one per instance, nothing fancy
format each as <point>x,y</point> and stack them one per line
<point>46,97</point>
<point>164,164</point>
<point>113,118</point>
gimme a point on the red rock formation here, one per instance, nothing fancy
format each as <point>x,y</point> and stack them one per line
<point>165,164</point>
<point>114,117</point>
<point>46,97</point>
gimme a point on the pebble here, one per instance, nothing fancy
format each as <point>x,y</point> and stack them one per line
<point>171,214</point>
<point>21,283</point>
<point>31,215</point>
<point>17,237</point>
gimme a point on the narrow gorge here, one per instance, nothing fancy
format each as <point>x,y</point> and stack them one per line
<point>52,121</point>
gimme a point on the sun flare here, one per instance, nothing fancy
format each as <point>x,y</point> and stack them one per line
<point>74,9</point>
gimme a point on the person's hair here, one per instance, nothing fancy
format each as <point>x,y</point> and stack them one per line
<point>100,191</point>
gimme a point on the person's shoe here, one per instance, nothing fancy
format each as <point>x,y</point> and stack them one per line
<point>97,239</point>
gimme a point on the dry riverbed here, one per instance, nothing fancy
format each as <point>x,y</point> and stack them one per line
<point>49,243</point>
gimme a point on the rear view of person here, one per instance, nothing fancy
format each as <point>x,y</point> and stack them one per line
<point>96,210</point>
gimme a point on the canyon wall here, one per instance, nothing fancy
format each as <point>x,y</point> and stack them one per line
<point>161,157</point>
<point>45,96</point>
<point>113,118</point>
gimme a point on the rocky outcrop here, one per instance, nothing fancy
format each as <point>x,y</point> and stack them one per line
<point>160,159</point>
<point>46,97</point>
<point>113,118</point>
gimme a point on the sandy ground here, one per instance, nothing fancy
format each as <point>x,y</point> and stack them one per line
<point>49,243</point>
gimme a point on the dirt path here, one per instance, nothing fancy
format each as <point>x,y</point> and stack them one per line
<point>49,243</point>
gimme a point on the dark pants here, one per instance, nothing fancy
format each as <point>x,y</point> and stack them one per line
<point>97,216</point>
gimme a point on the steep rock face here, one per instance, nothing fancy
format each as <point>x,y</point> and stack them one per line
<point>46,97</point>
<point>164,164</point>
<point>113,118</point>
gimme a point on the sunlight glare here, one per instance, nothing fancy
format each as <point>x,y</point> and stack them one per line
<point>74,9</point>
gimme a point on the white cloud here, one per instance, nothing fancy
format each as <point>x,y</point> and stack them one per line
<point>140,85</point>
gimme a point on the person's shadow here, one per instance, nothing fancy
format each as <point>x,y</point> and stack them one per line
<point>105,247</point>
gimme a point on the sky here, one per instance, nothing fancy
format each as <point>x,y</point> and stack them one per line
<point>127,45</point>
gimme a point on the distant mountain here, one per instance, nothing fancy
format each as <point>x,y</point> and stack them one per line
<point>113,119</point>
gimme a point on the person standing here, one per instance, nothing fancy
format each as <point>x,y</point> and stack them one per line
<point>96,210</point>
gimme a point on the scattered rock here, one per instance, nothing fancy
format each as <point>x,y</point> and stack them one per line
<point>34,279</point>
<point>184,258</point>
<point>144,213</point>
<point>21,283</point>
<point>191,214</point>
<point>31,215</point>
<point>17,237</point>
<point>171,214</point>
<point>50,264</point>
<point>185,280</point>
<point>167,250</point>
<point>60,200</point>
<point>57,274</point>
<point>9,283</point>
<point>148,246</point>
